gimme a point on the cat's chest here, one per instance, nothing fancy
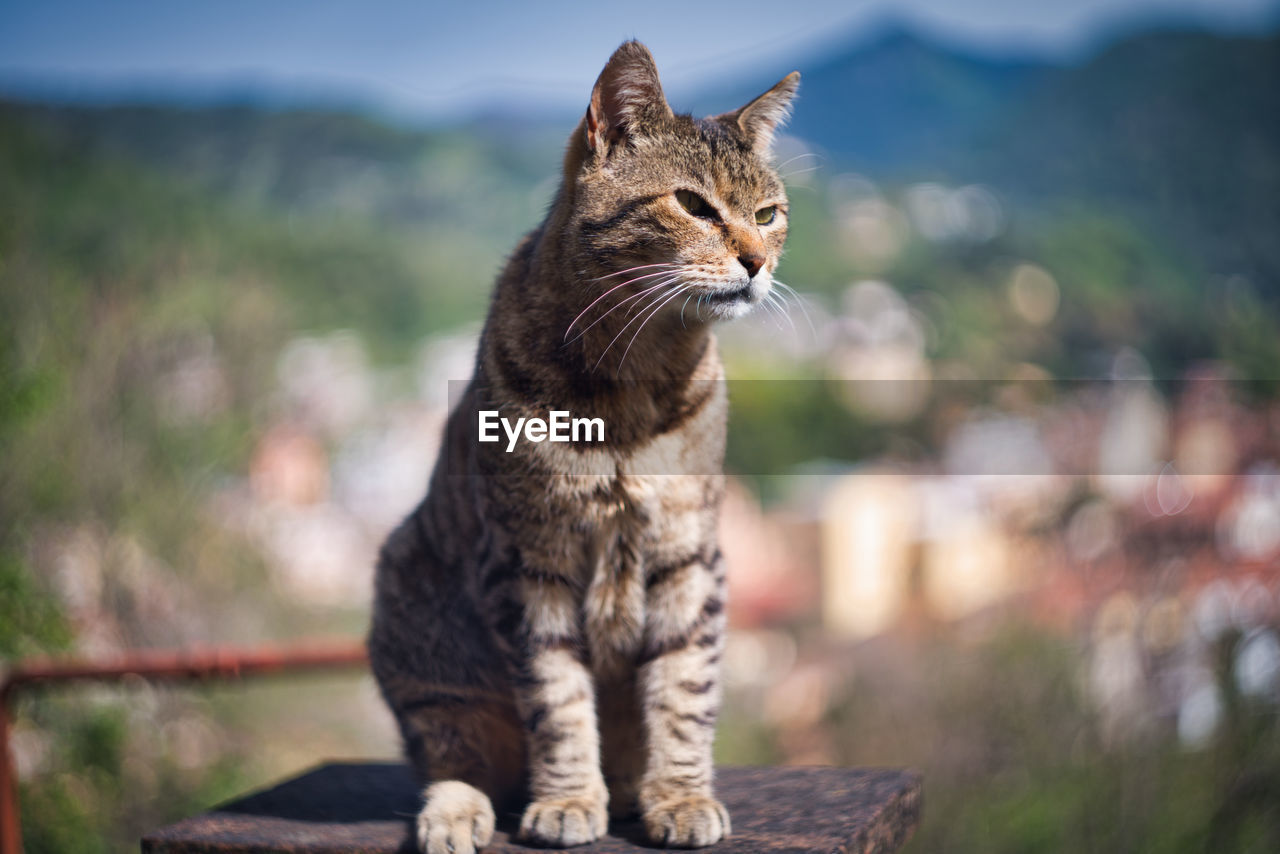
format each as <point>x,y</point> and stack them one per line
<point>656,521</point>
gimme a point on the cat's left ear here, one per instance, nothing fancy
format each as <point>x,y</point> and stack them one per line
<point>761,118</point>
<point>627,97</point>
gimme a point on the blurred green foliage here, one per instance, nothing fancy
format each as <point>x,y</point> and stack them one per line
<point>109,272</point>
<point>111,782</point>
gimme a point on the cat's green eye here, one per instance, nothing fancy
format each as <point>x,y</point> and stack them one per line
<point>695,204</point>
<point>764,216</point>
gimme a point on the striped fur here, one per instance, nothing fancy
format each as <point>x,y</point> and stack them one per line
<point>548,623</point>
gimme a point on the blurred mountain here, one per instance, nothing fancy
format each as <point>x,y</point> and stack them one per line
<point>895,101</point>
<point>306,160</point>
<point>1179,129</point>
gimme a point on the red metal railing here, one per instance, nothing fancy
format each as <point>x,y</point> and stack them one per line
<point>194,664</point>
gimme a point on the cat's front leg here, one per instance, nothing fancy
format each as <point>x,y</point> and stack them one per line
<point>680,693</point>
<point>555,696</point>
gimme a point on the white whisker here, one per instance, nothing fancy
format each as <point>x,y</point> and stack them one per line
<point>620,303</point>
<point>770,305</point>
<point>683,307</point>
<point>652,314</point>
<point>797,157</point>
<point>631,270</point>
<point>771,301</point>
<point>793,294</point>
<point>624,329</point>
<point>790,175</point>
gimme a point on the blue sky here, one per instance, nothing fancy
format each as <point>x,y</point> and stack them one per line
<point>422,58</point>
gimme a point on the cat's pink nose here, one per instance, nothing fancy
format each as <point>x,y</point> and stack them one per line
<point>752,262</point>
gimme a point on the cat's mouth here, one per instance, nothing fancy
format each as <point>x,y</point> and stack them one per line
<point>742,294</point>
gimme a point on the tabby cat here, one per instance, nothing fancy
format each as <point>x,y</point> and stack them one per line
<point>548,623</point>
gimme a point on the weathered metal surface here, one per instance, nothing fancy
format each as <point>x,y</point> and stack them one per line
<point>369,809</point>
<point>195,663</point>
<point>10,827</point>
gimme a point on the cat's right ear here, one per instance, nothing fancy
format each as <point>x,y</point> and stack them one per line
<point>761,118</point>
<point>626,97</point>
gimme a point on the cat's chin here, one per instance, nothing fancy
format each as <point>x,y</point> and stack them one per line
<point>729,310</point>
<point>732,304</point>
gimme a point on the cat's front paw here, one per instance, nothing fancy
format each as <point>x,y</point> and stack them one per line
<point>693,821</point>
<point>457,819</point>
<point>564,821</point>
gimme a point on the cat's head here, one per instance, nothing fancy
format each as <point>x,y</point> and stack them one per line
<point>673,208</point>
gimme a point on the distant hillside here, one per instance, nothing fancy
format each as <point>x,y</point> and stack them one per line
<point>1179,130</point>
<point>898,102</point>
<point>315,162</point>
